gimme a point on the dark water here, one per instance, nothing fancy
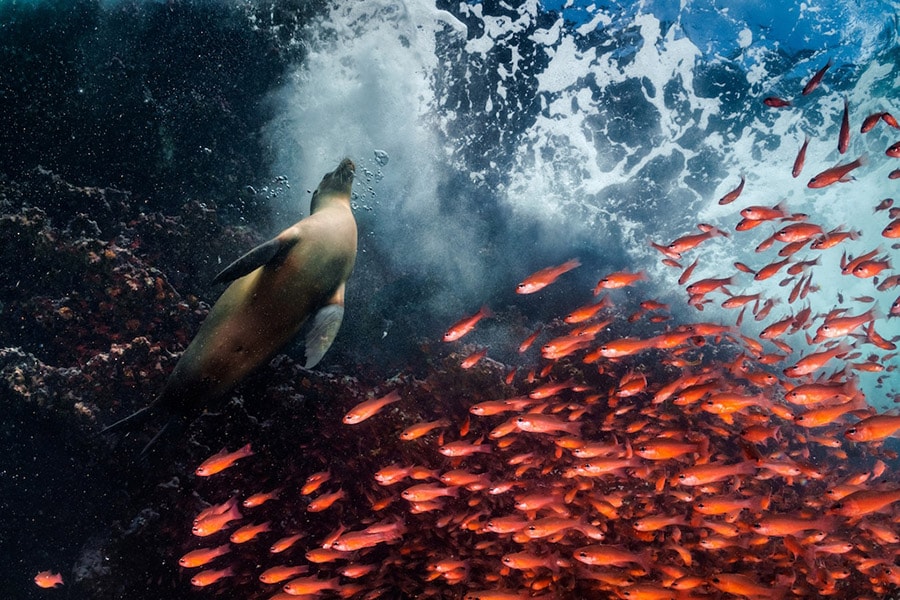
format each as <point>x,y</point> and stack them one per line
<point>145,145</point>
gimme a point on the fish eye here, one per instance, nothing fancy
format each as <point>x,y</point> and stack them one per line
<point>642,449</point>
<point>851,430</point>
<point>582,554</point>
<point>837,506</point>
<point>716,580</point>
<point>681,476</point>
<point>701,505</point>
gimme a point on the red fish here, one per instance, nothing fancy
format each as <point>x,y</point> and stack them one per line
<point>776,102</point>
<point>466,324</point>
<point>801,158</point>
<point>874,428</point>
<point>893,151</point>
<point>473,359</point>
<point>815,361</point>
<point>544,277</point>
<point>210,576</point>
<point>281,573</point>
<point>619,279</point>
<point>844,135</point>
<point>222,460</point>
<point>733,194</point>
<point>364,410</point>
<point>48,579</point>
<point>324,502</point>
<point>839,173</point>
<point>418,430</point>
<point>870,122</point>
<point>198,558</point>
<point>816,79</point>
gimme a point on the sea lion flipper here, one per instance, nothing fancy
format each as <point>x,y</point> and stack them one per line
<point>254,259</point>
<point>322,333</point>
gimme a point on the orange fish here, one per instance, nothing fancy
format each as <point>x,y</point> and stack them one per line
<point>281,573</point>
<point>537,423</point>
<point>607,554</point>
<point>314,481</point>
<point>222,460</point>
<point>863,502</point>
<point>713,472</point>
<point>817,360</point>
<point>744,586</point>
<point>260,498</point>
<point>892,230</point>
<point>285,543</point>
<point>48,579</point>
<point>198,558</point>
<point>834,327</point>
<point>733,194</point>
<point>214,523</point>
<point>420,429</point>
<point>619,279</point>
<point>424,492</point>
<point>210,576</point>
<point>544,277</point>
<point>870,268</point>
<point>463,448</point>
<point>777,525</point>
<point>874,428</point>
<point>870,122</point>
<point>893,151</point>
<point>369,408</point>
<point>839,173</point>
<point>325,501</point>
<point>586,312</point>
<point>248,532</point>
<point>526,344</point>
<point>473,359</point>
<point>311,586</point>
<point>466,324</point>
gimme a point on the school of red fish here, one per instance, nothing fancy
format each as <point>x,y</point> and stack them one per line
<point>634,459</point>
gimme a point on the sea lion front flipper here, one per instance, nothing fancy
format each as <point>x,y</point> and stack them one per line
<point>324,329</point>
<point>254,259</point>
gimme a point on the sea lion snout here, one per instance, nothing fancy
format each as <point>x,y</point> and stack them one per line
<point>340,178</point>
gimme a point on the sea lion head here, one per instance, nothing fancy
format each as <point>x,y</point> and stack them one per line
<point>337,182</point>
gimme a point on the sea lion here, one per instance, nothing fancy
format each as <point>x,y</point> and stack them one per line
<point>274,289</point>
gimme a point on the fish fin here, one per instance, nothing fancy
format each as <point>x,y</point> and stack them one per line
<point>324,329</point>
<point>263,254</point>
